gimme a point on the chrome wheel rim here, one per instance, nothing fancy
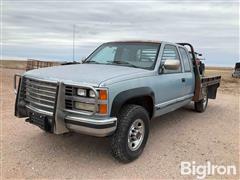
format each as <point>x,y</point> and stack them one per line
<point>136,134</point>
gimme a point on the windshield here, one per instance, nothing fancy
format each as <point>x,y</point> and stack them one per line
<point>138,55</point>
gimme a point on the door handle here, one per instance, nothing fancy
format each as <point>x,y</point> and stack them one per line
<point>183,80</point>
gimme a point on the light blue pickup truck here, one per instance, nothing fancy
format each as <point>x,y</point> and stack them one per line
<point>116,91</point>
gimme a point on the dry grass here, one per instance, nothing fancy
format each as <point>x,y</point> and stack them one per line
<point>229,84</point>
<point>15,64</point>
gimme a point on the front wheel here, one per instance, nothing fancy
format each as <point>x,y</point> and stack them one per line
<point>131,135</point>
<point>201,105</point>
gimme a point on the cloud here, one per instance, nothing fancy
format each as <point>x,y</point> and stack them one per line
<point>43,29</point>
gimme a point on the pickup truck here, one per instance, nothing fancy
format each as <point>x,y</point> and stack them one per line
<point>116,92</point>
<point>236,73</point>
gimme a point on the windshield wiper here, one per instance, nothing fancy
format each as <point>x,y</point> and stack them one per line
<point>122,62</point>
<point>89,62</point>
<point>70,63</point>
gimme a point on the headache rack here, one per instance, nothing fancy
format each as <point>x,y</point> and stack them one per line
<point>211,83</point>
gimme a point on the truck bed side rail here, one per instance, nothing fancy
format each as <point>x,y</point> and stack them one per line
<point>210,80</point>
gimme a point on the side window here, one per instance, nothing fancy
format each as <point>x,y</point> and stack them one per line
<point>185,60</point>
<point>170,52</point>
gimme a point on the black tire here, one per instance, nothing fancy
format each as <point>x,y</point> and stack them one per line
<point>201,105</point>
<point>126,118</point>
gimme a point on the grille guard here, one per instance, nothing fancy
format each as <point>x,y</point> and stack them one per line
<point>15,82</point>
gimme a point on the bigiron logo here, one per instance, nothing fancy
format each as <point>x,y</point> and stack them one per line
<point>202,171</point>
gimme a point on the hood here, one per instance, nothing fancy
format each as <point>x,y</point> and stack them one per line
<point>93,74</point>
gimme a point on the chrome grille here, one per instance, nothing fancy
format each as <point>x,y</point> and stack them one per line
<point>40,95</point>
<point>69,102</point>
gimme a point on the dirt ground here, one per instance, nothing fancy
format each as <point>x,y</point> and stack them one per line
<point>183,135</point>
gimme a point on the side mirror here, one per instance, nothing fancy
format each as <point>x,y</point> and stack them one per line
<point>171,64</point>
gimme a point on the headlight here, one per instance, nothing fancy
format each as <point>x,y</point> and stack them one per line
<point>88,102</point>
<point>84,106</point>
<point>92,94</point>
<point>82,92</point>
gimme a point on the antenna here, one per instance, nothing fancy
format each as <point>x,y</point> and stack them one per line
<point>74,31</point>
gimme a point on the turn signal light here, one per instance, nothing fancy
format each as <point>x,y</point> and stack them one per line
<point>103,94</point>
<point>102,108</point>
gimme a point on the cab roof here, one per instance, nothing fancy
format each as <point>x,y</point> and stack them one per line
<point>143,41</point>
<point>135,41</point>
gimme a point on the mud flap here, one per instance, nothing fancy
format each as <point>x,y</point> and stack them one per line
<point>212,91</point>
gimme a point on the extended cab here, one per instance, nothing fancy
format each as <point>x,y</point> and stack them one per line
<point>115,92</point>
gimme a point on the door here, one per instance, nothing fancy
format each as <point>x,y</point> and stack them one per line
<point>189,77</point>
<point>170,83</point>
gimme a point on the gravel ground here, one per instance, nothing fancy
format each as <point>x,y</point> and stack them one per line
<point>183,135</point>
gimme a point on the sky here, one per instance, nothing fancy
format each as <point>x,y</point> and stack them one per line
<point>43,29</point>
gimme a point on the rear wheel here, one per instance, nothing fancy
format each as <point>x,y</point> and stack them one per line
<point>201,105</point>
<point>131,135</point>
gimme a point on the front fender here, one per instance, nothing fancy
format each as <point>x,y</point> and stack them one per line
<point>124,96</point>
